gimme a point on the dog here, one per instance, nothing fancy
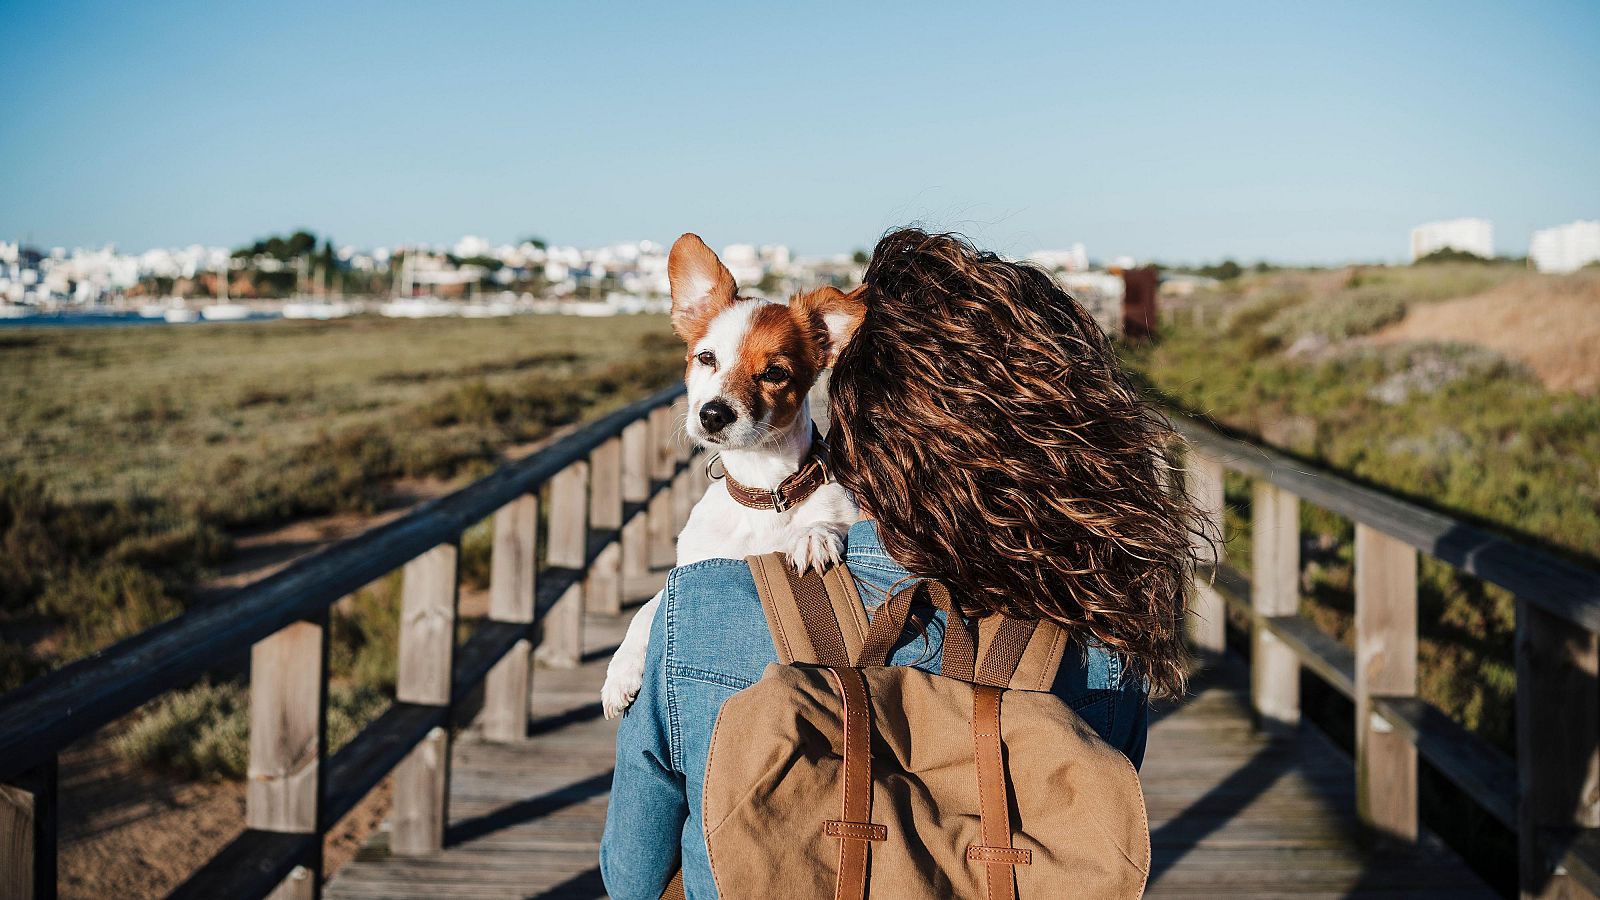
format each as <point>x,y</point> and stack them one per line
<point>751,364</point>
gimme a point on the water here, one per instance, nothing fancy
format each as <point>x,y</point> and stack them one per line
<point>110,317</point>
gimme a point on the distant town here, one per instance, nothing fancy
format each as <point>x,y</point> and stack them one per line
<point>300,276</point>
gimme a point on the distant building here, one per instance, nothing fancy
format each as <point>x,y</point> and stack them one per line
<point>1474,236</point>
<point>1565,248</point>
<point>1072,259</point>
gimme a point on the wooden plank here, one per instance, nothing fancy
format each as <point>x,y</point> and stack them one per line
<point>1328,659</point>
<point>288,726</point>
<point>513,581</point>
<point>603,593</point>
<point>636,489</point>
<point>1207,616</point>
<point>1386,664</point>
<point>427,627</point>
<point>1479,769</point>
<point>1582,860</point>
<point>514,561</point>
<point>427,647</point>
<point>358,766</point>
<point>603,588</point>
<point>1564,589</point>
<point>28,834</point>
<point>1275,582</point>
<point>288,713</point>
<point>561,633</point>
<point>421,797</point>
<point>663,443</point>
<point>251,865</point>
<point>1557,743</point>
<point>683,498</point>
<point>41,717</point>
<point>663,531</point>
<point>663,540</point>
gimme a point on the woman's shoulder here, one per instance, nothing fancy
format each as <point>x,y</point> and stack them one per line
<point>712,624</point>
<point>710,590</point>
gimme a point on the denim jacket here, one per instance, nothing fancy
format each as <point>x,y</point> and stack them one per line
<point>710,639</point>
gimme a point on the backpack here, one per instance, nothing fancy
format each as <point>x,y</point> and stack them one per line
<point>839,776</point>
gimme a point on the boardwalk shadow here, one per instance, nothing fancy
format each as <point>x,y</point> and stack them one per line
<point>546,724</point>
<point>582,886</point>
<point>528,810</point>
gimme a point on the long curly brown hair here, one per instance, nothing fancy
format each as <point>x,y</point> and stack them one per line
<point>982,418</point>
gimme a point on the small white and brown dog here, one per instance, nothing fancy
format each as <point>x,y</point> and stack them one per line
<point>751,364</point>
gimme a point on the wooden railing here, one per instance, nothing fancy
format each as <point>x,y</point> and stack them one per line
<point>1550,794</point>
<point>617,492</point>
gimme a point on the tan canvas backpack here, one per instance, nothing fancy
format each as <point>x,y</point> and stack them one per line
<point>839,776</point>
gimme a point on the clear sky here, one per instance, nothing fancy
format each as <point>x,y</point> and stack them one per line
<point>1182,132</point>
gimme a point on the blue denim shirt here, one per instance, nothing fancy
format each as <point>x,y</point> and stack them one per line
<point>710,639</point>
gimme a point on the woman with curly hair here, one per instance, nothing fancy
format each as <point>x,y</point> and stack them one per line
<point>993,442</point>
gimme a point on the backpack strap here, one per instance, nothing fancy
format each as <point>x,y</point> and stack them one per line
<point>854,828</point>
<point>819,619</point>
<point>998,858</point>
<point>1019,654</point>
<point>814,618</point>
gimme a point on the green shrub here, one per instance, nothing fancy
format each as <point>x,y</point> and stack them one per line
<point>200,732</point>
<point>203,731</point>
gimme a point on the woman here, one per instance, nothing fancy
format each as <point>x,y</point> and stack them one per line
<point>983,424</point>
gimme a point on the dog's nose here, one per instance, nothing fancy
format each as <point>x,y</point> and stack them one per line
<point>715,416</point>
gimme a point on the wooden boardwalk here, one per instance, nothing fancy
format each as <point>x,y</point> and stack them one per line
<point>1231,813</point>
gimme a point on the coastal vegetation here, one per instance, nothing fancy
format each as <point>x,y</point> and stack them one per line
<point>133,459</point>
<point>1323,365</point>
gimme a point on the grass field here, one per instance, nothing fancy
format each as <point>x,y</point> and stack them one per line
<point>130,457</point>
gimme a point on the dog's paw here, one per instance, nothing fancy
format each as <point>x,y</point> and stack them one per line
<point>623,679</point>
<point>815,547</point>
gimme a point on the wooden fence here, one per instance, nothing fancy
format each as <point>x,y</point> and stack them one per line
<point>1550,794</point>
<point>616,492</point>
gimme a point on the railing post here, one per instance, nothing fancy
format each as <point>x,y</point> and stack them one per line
<point>683,495</point>
<point>1386,665</point>
<point>663,536</point>
<point>561,632</point>
<point>635,494</point>
<point>28,835</point>
<point>1558,770</point>
<point>512,584</point>
<point>427,646</point>
<point>288,724</point>
<point>1208,618</point>
<point>604,591</point>
<point>1275,591</point>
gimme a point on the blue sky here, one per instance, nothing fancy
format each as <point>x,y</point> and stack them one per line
<point>1181,132</point>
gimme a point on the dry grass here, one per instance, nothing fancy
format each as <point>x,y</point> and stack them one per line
<point>1552,325</point>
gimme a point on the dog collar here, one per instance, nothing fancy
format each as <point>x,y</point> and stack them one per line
<point>790,492</point>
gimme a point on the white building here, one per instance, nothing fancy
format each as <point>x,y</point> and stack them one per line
<point>1072,259</point>
<point>1565,248</point>
<point>1475,236</point>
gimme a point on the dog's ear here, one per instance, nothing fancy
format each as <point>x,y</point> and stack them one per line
<point>701,286</point>
<point>832,316</point>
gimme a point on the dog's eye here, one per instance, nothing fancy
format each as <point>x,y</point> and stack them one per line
<point>774,375</point>
<point>706,358</point>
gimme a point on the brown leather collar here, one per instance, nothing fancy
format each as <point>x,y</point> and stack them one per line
<point>792,491</point>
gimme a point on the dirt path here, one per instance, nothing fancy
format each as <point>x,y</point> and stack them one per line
<point>1551,325</point>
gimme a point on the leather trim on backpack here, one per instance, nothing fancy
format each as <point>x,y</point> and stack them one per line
<point>855,829</point>
<point>995,854</point>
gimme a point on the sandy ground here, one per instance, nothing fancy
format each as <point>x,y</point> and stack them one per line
<point>128,833</point>
<point>1552,325</point>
